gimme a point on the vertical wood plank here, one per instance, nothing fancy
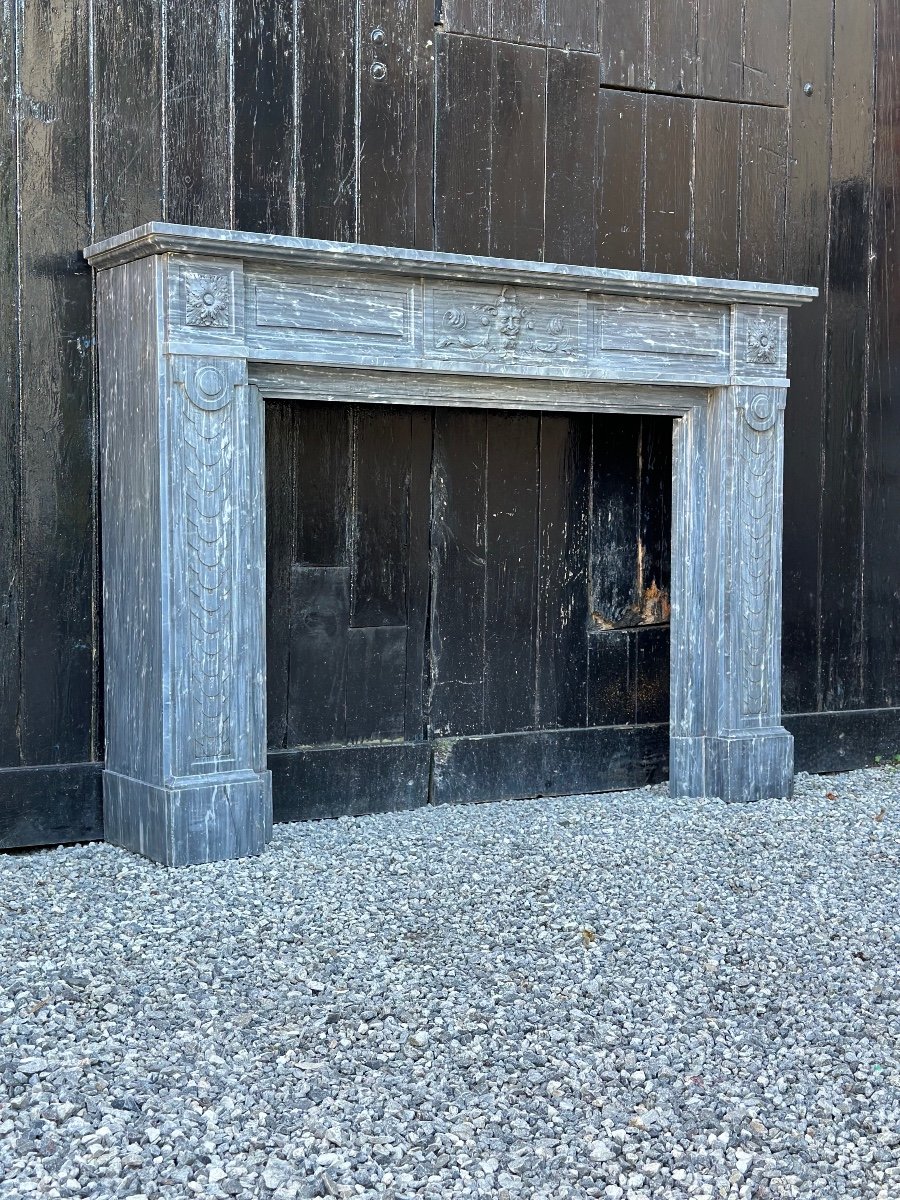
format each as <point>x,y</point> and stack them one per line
<point>281,502</point>
<point>458,567</point>
<point>667,213</point>
<point>595,140</point>
<point>574,162</point>
<point>320,628</point>
<point>322,473</point>
<point>882,551</point>
<point>128,115</point>
<point>517,151</point>
<point>326,138</point>
<point>376,678</point>
<point>10,467</point>
<point>510,610</point>
<point>719,49</point>
<point>58,526</point>
<point>620,190</point>
<point>418,508</point>
<point>612,675</point>
<point>263,41</point>
<point>573,24</point>
<point>764,140</point>
<point>615,520</point>
<point>846,391</point>
<point>655,538</point>
<point>379,516</point>
<point>564,541</point>
<point>806,244</point>
<point>717,150</point>
<point>519,21</point>
<point>672,51</point>
<point>426,76</point>
<point>651,674</point>
<point>199,130</point>
<point>765,55</point>
<point>467,16</point>
<point>463,166</point>
<point>624,26</point>
<point>389,85</point>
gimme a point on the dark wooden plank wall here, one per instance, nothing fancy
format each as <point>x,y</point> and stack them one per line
<point>670,135</point>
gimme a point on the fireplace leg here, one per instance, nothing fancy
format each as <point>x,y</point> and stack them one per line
<point>183,574</point>
<point>726,734</point>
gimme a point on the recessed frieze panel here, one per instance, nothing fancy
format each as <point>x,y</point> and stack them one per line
<point>504,325</point>
<point>697,331</point>
<point>330,310</point>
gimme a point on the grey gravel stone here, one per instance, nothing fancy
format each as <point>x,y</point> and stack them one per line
<point>621,997</point>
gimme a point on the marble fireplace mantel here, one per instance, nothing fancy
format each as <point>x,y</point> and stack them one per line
<point>198,326</point>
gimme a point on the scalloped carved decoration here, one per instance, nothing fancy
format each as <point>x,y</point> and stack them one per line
<point>206,421</point>
<point>757,515</point>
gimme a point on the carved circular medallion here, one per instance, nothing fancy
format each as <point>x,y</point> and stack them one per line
<point>210,388</point>
<point>762,411</point>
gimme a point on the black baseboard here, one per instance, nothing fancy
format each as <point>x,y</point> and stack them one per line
<point>829,742</point>
<point>349,781</point>
<point>563,762</point>
<point>44,806</point>
<point>49,805</point>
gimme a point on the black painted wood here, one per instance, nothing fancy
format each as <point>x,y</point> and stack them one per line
<point>253,114</point>
<point>882,427</point>
<point>806,257</point>
<point>199,141</point>
<point>57,708</point>
<point>845,448</point>
<point>326,162</point>
<point>10,420</point>
<point>264,130</point>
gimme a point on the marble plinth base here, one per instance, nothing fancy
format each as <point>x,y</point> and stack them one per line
<point>737,768</point>
<point>184,826</point>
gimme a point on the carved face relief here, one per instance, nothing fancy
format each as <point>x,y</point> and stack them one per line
<point>206,301</point>
<point>508,316</point>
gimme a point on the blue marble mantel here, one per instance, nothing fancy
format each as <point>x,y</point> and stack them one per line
<point>198,326</point>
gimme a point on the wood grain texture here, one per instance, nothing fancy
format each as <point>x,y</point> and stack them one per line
<point>882,684</point>
<point>673,49</point>
<point>264,131</point>
<point>806,259</point>
<point>844,432</point>
<point>57,708</point>
<point>10,417</point>
<point>668,184</point>
<point>393,77</point>
<point>128,116</point>
<point>326,141</point>
<point>200,146</point>
<point>717,191</point>
<point>490,126</point>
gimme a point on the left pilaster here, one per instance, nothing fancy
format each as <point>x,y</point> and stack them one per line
<point>183,564</point>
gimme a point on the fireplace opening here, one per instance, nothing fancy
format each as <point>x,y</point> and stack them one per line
<point>464,605</point>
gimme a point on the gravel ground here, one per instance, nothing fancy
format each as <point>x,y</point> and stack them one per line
<point>618,996</point>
